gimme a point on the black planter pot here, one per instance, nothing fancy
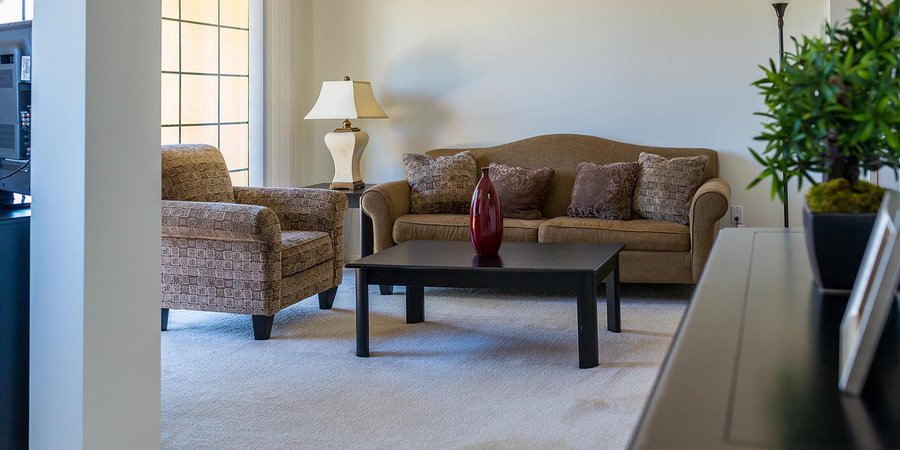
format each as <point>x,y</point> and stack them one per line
<point>836,243</point>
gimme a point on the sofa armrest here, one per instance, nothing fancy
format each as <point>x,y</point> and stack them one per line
<point>710,203</point>
<point>384,203</point>
<point>220,221</point>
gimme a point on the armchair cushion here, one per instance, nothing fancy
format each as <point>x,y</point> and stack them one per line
<point>301,250</point>
<point>195,173</point>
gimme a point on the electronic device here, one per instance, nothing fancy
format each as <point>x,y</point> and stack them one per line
<point>15,109</point>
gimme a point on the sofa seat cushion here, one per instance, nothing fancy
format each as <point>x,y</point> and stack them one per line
<point>455,227</point>
<point>301,250</point>
<point>641,235</point>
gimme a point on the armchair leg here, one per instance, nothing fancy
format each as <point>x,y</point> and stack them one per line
<point>262,327</point>
<point>165,319</point>
<point>326,298</point>
<point>386,289</point>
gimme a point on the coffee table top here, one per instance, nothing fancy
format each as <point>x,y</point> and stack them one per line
<point>513,257</point>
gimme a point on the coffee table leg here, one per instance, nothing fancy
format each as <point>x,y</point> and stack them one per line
<point>415,304</point>
<point>362,313</point>
<point>588,349</point>
<point>613,307</point>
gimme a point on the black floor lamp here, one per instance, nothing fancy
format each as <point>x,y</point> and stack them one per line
<point>780,7</point>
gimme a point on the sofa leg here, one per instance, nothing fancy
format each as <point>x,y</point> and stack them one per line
<point>326,298</point>
<point>262,327</point>
<point>165,319</point>
<point>386,289</point>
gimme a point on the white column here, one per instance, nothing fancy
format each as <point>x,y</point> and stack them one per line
<point>95,372</point>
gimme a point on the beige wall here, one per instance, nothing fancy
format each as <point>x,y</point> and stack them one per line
<point>471,72</point>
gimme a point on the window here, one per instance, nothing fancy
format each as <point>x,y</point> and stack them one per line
<point>16,10</point>
<point>206,78</point>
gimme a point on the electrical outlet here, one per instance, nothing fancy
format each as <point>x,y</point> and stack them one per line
<point>737,215</point>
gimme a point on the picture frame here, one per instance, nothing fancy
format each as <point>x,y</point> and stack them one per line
<point>870,300</point>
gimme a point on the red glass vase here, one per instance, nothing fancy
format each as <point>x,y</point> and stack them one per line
<point>486,217</point>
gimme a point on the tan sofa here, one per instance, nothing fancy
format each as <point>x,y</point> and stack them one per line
<point>655,251</point>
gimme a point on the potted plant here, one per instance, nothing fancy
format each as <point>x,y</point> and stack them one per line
<point>833,112</point>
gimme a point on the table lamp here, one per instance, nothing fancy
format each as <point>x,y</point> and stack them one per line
<point>346,100</point>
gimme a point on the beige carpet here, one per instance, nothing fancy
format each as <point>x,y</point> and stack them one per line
<point>488,369</point>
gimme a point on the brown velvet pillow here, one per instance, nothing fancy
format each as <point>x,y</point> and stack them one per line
<point>667,186</point>
<point>521,190</point>
<point>442,185</point>
<point>604,191</point>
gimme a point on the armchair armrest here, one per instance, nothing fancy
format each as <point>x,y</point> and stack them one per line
<point>220,221</point>
<point>301,209</point>
<point>304,209</point>
<point>384,203</point>
<point>710,203</point>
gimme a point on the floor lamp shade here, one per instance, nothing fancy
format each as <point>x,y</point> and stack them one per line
<point>345,100</point>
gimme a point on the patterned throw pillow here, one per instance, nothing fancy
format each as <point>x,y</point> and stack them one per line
<point>604,192</point>
<point>521,190</point>
<point>442,185</point>
<point>666,186</point>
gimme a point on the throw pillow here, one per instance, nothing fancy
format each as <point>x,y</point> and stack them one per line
<point>604,192</point>
<point>666,186</point>
<point>521,190</point>
<point>442,185</point>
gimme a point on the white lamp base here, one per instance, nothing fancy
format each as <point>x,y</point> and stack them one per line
<point>346,148</point>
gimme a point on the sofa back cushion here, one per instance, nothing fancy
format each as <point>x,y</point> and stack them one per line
<point>666,186</point>
<point>195,173</point>
<point>563,152</point>
<point>604,192</point>
<point>521,190</point>
<point>442,185</point>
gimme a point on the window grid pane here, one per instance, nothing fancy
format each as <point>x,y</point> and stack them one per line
<point>205,65</point>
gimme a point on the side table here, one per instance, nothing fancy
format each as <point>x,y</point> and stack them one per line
<point>366,239</point>
<point>366,230</point>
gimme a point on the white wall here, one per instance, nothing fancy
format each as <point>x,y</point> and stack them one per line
<point>838,10</point>
<point>95,228</point>
<point>471,72</point>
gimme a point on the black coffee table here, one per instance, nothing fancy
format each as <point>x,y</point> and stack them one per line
<point>566,267</point>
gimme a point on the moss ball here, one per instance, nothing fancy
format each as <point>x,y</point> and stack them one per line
<point>839,196</point>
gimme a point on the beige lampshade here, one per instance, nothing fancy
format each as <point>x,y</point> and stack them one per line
<point>346,100</point>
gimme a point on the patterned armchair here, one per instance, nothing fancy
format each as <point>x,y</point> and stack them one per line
<point>244,250</point>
